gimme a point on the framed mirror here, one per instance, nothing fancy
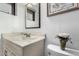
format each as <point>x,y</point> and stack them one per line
<point>32,15</point>
<point>8,8</point>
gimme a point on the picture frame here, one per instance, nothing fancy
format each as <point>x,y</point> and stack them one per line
<point>8,8</point>
<point>59,8</point>
<point>32,16</point>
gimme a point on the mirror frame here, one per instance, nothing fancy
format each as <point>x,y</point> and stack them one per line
<point>38,16</point>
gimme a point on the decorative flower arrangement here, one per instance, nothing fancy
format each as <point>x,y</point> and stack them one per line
<point>64,37</point>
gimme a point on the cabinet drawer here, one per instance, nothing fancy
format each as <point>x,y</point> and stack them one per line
<point>13,47</point>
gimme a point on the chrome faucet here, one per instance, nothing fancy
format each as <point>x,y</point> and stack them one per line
<point>27,34</point>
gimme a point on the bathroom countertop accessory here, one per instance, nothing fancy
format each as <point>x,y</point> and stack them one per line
<point>64,38</point>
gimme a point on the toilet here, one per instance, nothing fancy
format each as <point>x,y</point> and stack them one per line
<point>55,50</point>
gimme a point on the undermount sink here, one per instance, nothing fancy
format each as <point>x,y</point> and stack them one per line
<point>22,39</point>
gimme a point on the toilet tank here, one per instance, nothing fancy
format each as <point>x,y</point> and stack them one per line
<point>54,50</point>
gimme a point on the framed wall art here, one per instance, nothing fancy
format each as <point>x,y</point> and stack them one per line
<point>58,8</point>
<point>8,8</point>
<point>32,15</point>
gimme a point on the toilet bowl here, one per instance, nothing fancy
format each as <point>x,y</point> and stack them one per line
<point>54,50</point>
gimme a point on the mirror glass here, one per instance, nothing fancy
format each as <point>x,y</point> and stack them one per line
<point>32,15</point>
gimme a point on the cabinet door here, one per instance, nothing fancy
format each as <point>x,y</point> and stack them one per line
<point>8,53</point>
<point>35,49</point>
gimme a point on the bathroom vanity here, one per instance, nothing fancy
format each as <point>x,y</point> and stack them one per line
<point>20,45</point>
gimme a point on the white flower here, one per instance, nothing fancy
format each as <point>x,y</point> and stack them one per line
<point>64,35</point>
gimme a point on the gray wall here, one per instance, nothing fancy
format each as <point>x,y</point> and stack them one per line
<point>10,23</point>
<point>66,22</point>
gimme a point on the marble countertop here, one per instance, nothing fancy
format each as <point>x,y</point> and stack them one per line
<point>22,40</point>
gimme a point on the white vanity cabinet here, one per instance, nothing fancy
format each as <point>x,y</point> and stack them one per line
<point>12,47</point>
<point>7,52</point>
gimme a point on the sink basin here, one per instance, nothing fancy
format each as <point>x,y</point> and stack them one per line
<point>23,38</point>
